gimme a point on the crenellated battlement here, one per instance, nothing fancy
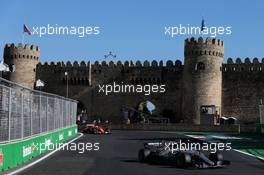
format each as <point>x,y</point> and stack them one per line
<point>27,51</point>
<point>111,64</point>
<point>207,41</point>
<point>246,61</point>
<point>231,65</point>
<point>31,47</point>
<point>198,47</point>
<point>246,65</point>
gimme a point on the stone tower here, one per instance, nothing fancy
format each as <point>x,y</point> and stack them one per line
<point>22,61</point>
<point>202,76</point>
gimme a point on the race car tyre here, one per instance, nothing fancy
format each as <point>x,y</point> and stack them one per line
<point>95,131</point>
<point>143,154</point>
<point>182,160</point>
<point>215,157</point>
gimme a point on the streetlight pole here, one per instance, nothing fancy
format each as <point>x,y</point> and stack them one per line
<point>67,84</point>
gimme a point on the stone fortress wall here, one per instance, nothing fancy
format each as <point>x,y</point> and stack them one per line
<point>242,88</point>
<point>98,104</point>
<point>202,75</point>
<point>23,60</point>
<point>236,86</point>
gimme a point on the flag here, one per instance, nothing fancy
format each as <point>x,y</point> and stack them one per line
<point>4,67</point>
<point>202,25</point>
<point>27,30</point>
<point>39,83</point>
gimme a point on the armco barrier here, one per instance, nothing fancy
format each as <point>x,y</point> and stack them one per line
<point>177,127</point>
<point>254,128</point>
<point>16,153</point>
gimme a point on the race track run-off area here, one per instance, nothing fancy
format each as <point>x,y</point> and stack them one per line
<point>117,155</point>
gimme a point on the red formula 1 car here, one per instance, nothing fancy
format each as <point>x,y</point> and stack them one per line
<point>96,129</point>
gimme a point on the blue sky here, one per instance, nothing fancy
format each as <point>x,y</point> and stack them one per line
<point>132,29</point>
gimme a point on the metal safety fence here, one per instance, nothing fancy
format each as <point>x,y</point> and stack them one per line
<point>25,112</point>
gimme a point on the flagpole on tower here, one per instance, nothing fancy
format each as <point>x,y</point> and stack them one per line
<point>25,30</point>
<point>202,24</point>
<point>90,74</point>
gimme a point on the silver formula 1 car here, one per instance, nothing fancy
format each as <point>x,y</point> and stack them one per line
<point>157,153</point>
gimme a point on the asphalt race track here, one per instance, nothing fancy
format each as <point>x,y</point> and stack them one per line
<point>118,156</point>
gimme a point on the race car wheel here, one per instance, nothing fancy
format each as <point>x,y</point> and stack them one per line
<point>182,160</point>
<point>95,131</point>
<point>143,154</point>
<point>215,157</point>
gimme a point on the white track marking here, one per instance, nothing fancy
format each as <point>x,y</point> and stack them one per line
<point>42,158</point>
<point>248,154</point>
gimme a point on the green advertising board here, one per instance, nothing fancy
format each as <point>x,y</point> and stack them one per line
<point>16,153</point>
